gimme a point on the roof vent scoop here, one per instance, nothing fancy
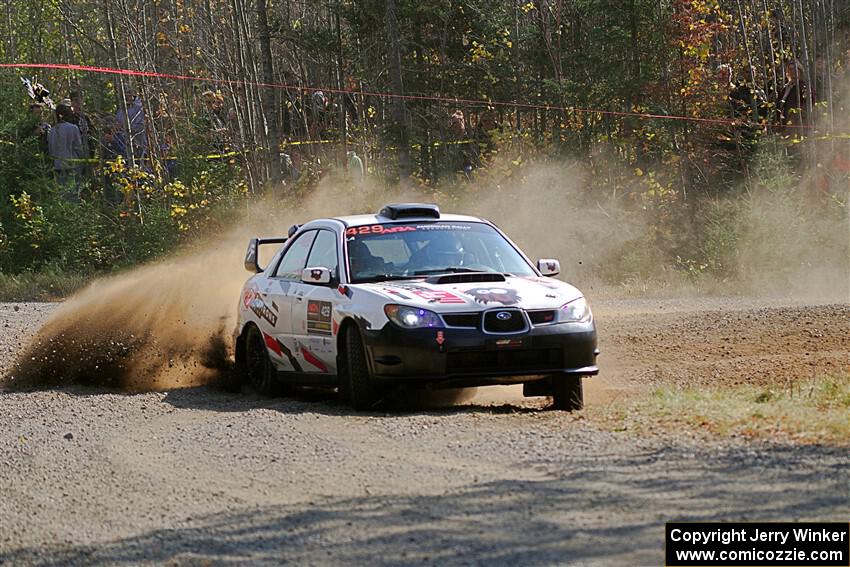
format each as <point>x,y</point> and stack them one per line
<point>410,210</point>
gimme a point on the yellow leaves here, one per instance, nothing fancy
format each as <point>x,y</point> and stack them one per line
<point>638,172</point>
<point>506,34</point>
<point>526,8</point>
<point>117,165</point>
<point>656,192</point>
<point>479,52</point>
<point>184,28</point>
<point>25,209</point>
<point>175,189</point>
<point>30,215</point>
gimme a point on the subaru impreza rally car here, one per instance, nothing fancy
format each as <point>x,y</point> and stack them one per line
<point>410,296</point>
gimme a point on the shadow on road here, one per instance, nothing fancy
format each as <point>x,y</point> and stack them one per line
<point>601,509</point>
<point>401,402</point>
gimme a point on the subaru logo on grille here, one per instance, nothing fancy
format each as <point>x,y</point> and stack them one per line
<point>503,315</point>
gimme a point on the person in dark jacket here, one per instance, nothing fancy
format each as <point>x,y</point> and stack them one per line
<point>37,127</point>
<point>65,146</point>
<point>795,100</point>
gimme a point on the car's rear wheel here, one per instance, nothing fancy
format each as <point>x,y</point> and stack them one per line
<point>259,372</point>
<point>567,393</point>
<point>356,384</point>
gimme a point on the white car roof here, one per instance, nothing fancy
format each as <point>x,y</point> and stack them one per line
<point>360,220</point>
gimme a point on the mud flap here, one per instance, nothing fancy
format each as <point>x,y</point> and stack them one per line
<point>541,387</point>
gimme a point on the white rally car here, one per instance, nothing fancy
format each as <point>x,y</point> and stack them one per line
<point>410,296</point>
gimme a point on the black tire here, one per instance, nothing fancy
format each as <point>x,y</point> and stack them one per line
<point>356,384</point>
<point>567,393</point>
<point>258,370</point>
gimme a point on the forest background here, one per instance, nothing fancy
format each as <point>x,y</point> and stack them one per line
<point>459,102</point>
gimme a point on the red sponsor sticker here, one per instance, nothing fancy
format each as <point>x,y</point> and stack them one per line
<point>378,229</point>
<point>441,338</point>
<point>250,295</point>
<point>437,296</point>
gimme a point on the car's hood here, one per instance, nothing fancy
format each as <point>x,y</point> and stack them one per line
<point>527,293</point>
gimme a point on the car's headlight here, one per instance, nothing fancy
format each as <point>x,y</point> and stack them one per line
<point>576,311</point>
<point>412,317</point>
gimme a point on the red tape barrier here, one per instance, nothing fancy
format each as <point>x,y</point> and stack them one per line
<point>471,102</point>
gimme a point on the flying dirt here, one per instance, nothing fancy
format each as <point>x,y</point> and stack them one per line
<point>168,324</point>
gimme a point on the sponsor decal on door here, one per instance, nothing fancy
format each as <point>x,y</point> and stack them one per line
<point>319,315</point>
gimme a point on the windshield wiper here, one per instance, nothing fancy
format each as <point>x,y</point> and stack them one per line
<point>447,270</point>
<point>383,278</point>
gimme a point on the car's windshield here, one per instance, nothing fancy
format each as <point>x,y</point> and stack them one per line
<point>399,251</point>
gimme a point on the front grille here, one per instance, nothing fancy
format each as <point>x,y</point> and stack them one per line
<point>500,361</point>
<point>541,317</point>
<point>470,320</point>
<point>504,321</point>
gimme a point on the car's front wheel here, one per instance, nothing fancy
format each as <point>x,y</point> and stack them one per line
<point>567,393</point>
<point>356,384</point>
<point>259,372</point>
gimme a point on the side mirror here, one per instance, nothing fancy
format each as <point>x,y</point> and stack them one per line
<point>252,256</point>
<point>316,276</point>
<point>549,267</point>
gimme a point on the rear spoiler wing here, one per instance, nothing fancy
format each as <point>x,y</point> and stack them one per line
<point>252,257</point>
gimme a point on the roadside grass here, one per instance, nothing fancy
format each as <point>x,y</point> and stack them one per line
<point>45,285</point>
<point>814,410</point>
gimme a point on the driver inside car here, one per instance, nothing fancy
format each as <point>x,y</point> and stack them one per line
<point>363,262</point>
<point>443,250</point>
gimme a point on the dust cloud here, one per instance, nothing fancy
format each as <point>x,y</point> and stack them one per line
<point>169,324</point>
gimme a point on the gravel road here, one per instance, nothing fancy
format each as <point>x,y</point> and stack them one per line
<point>204,477</point>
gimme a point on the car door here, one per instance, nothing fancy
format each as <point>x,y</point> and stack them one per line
<point>278,299</point>
<point>313,308</point>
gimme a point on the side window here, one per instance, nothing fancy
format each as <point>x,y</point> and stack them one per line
<point>324,253</point>
<point>295,258</point>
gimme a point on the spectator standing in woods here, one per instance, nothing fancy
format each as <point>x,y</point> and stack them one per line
<point>484,136</point>
<point>794,100</point>
<point>458,145</point>
<point>320,106</point>
<point>355,167</point>
<point>37,127</point>
<point>81,119</point>
<point>66,148</point>
<point>214,103</point>
<point>136,138</point>
<point>214,120</point>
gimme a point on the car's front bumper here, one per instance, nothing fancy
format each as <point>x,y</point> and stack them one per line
<point>469,357</point>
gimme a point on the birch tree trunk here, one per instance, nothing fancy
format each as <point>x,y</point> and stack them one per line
<point>269,94</point>
<point>399,108</point>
